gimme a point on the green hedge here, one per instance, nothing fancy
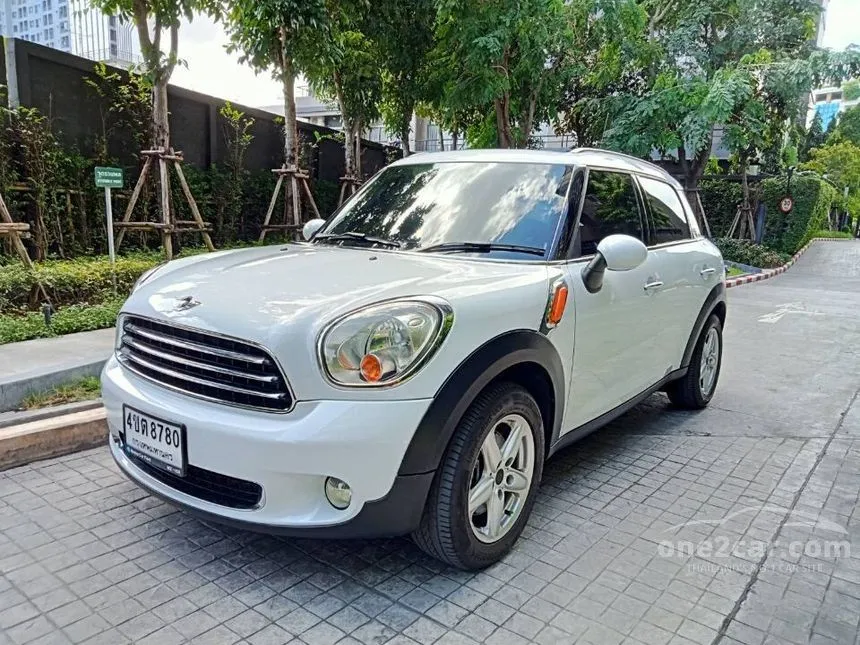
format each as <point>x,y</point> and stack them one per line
<point>720,199</point>
<point>66,321</point>
<point>813,198</point>
<point>747,252</point>
<point>70,282</point>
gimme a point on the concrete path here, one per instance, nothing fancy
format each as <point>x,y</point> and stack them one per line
<point>737,524</point>
<point>38,365</point>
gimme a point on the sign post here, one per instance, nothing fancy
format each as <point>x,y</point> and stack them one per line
<point>108,178</point>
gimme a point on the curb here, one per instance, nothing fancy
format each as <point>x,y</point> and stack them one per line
<point>769,273</point>
<point>53,437</point>
<point>13,392</point>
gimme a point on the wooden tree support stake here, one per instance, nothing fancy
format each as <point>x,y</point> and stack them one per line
<point>16,231</point>
<point>292,179</point>
<point>348,184</point>
<point>168,224</point>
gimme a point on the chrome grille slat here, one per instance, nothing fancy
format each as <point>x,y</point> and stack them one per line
<point>203,364</point>
<point>197,347</point>
<point>138,346</point>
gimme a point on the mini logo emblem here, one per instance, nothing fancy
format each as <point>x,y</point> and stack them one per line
<point>185,303</point>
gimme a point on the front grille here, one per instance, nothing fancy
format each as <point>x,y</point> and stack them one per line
<point>207,485</point>
<point>204,365</point>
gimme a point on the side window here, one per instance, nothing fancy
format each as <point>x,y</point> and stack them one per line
<point>610,206</point>
<point>667,214</point>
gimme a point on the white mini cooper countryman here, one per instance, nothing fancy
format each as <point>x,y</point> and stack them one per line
<point>409,368</point>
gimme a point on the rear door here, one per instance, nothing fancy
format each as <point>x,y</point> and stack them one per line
<point>687,269</point>
<point>614,357</point>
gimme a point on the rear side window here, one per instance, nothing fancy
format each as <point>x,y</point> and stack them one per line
<point>667,214</point>
<point>610,206</point>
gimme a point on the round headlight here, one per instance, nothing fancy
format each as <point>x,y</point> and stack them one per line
<point>383,344</point>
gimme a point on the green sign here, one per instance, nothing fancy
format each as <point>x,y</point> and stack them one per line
<point>108,177</point>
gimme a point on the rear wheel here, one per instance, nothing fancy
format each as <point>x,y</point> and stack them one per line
<point>485,487</point>
<point>694,390</point>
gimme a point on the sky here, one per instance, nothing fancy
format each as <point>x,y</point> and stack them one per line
<point>211,70</point>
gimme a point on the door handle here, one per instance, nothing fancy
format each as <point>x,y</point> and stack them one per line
<point>707,271</point>
<point>653,285</point>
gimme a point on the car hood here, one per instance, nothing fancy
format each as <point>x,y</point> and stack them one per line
<point>266,293</point>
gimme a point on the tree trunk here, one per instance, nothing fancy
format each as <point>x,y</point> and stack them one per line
<point>348,148</point>
<point>441,138</point>
<point>503,123</point>
<point>455,135</point>
<point>693,171</point>
<point>406,129</point>
<point>291,138</point>
<point>160,114</point>
<point>358,130</point>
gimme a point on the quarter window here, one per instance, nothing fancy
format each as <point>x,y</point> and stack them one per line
<point>667,215</point>
<point>611,206</point>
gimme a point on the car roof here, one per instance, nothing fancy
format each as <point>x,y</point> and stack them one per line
<point>592,157</point>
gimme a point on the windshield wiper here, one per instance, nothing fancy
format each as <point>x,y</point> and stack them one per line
<point>356,236</point>
<point>482,247</point>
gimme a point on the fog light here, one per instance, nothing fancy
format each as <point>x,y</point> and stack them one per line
<point>337,493</point>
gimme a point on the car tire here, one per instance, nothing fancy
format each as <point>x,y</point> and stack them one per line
<point>695,389</point>
<point>450,530</point>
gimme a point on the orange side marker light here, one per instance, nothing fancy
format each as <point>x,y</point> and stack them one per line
<point>557,305</point>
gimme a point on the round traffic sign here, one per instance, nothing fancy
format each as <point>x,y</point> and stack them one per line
<point>786,204</point>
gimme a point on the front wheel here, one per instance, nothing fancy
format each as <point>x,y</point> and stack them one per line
<point>484,490</point>
<point>694,390</point>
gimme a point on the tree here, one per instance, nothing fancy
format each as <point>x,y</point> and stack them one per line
<point>847,128</point>
<point>345,69</point>
<point>277,36</point>
<point>814,138</point>
<point>851,90</point>
<point>153,18</point>
<point>402,31</point>
<point>506,59</point>
<point>840,162</point>
<point>715,67</point>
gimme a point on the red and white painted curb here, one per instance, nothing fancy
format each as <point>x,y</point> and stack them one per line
<point>769,273</point>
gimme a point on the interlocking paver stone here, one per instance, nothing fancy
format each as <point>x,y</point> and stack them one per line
<point>87,557</point>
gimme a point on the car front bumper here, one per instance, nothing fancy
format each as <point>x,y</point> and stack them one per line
<point>288,455</point>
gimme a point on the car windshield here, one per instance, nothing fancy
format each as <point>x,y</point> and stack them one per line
<point>502,210</point>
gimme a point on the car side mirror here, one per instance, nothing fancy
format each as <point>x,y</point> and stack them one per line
<point>616,253</point>
<point>312,227</point>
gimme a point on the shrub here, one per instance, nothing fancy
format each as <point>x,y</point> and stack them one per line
<point>813,198</point>
<point>843,235</point>
<point>14,328</point>
<point>720,199</point>
<point>747,252</point>
<point>69,282</point>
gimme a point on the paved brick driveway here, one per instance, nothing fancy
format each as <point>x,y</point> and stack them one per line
<point>85,556</point>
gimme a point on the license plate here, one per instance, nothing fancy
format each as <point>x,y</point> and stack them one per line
<point>157,442</point>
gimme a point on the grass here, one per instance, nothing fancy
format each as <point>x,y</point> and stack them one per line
<point>731,272</point>
<point>84,389</point>
<point>844,235</point>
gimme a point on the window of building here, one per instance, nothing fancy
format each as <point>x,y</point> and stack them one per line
<point>610,206</point>
<point>114,51</point>
<point>333,121</point>
<point>64,41</point>
<point>668,221</point>
<point>64,11</point>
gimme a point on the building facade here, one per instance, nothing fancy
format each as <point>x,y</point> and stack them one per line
<point>71,26</point>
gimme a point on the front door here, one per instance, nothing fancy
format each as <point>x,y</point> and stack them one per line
<point>614,356</point>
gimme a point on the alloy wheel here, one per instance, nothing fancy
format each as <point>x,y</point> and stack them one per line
<point>710,362</point>
<point>501,478</point>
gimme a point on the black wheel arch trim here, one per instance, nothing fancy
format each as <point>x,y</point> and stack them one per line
<point>478,370</point>
<point>716,296</point>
